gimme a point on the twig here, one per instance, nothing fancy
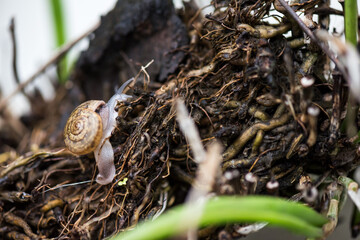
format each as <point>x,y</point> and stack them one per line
<point>53,60</point>
<point>143,70</point>
<point>14,54</point>
<point>209,165</point>
<point>311,35</point>
<point>14,50</point>
<point>187,126</point>
<point>326,10</point>
<point>205,178</point>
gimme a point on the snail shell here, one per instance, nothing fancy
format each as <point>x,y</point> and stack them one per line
<point>84,129</point>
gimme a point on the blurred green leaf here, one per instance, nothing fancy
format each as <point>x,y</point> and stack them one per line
<point>226,209</point>
<point>57,13</point>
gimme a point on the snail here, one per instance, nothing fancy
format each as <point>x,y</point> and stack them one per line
<point>89,129</point>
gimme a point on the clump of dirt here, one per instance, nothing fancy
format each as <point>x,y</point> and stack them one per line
<point>264,90</point>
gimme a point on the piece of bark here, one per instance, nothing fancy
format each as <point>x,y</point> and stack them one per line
<point>130,36</point>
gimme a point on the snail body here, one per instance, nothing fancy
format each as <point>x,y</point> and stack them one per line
<point>89,129</point>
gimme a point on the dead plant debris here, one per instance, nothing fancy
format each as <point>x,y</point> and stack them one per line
<point>265,91</point>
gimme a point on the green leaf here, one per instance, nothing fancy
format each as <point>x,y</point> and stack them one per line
<point>60,35</point>
<point>225,209</point>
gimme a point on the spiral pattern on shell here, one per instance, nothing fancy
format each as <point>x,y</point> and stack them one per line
<point>84,128</point>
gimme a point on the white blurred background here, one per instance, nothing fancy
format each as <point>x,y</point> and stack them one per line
<point>35,40</point>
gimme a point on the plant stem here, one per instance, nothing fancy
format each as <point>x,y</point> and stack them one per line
<point>351,30</point>
<point>351,21</point>
<point>60,35</point>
